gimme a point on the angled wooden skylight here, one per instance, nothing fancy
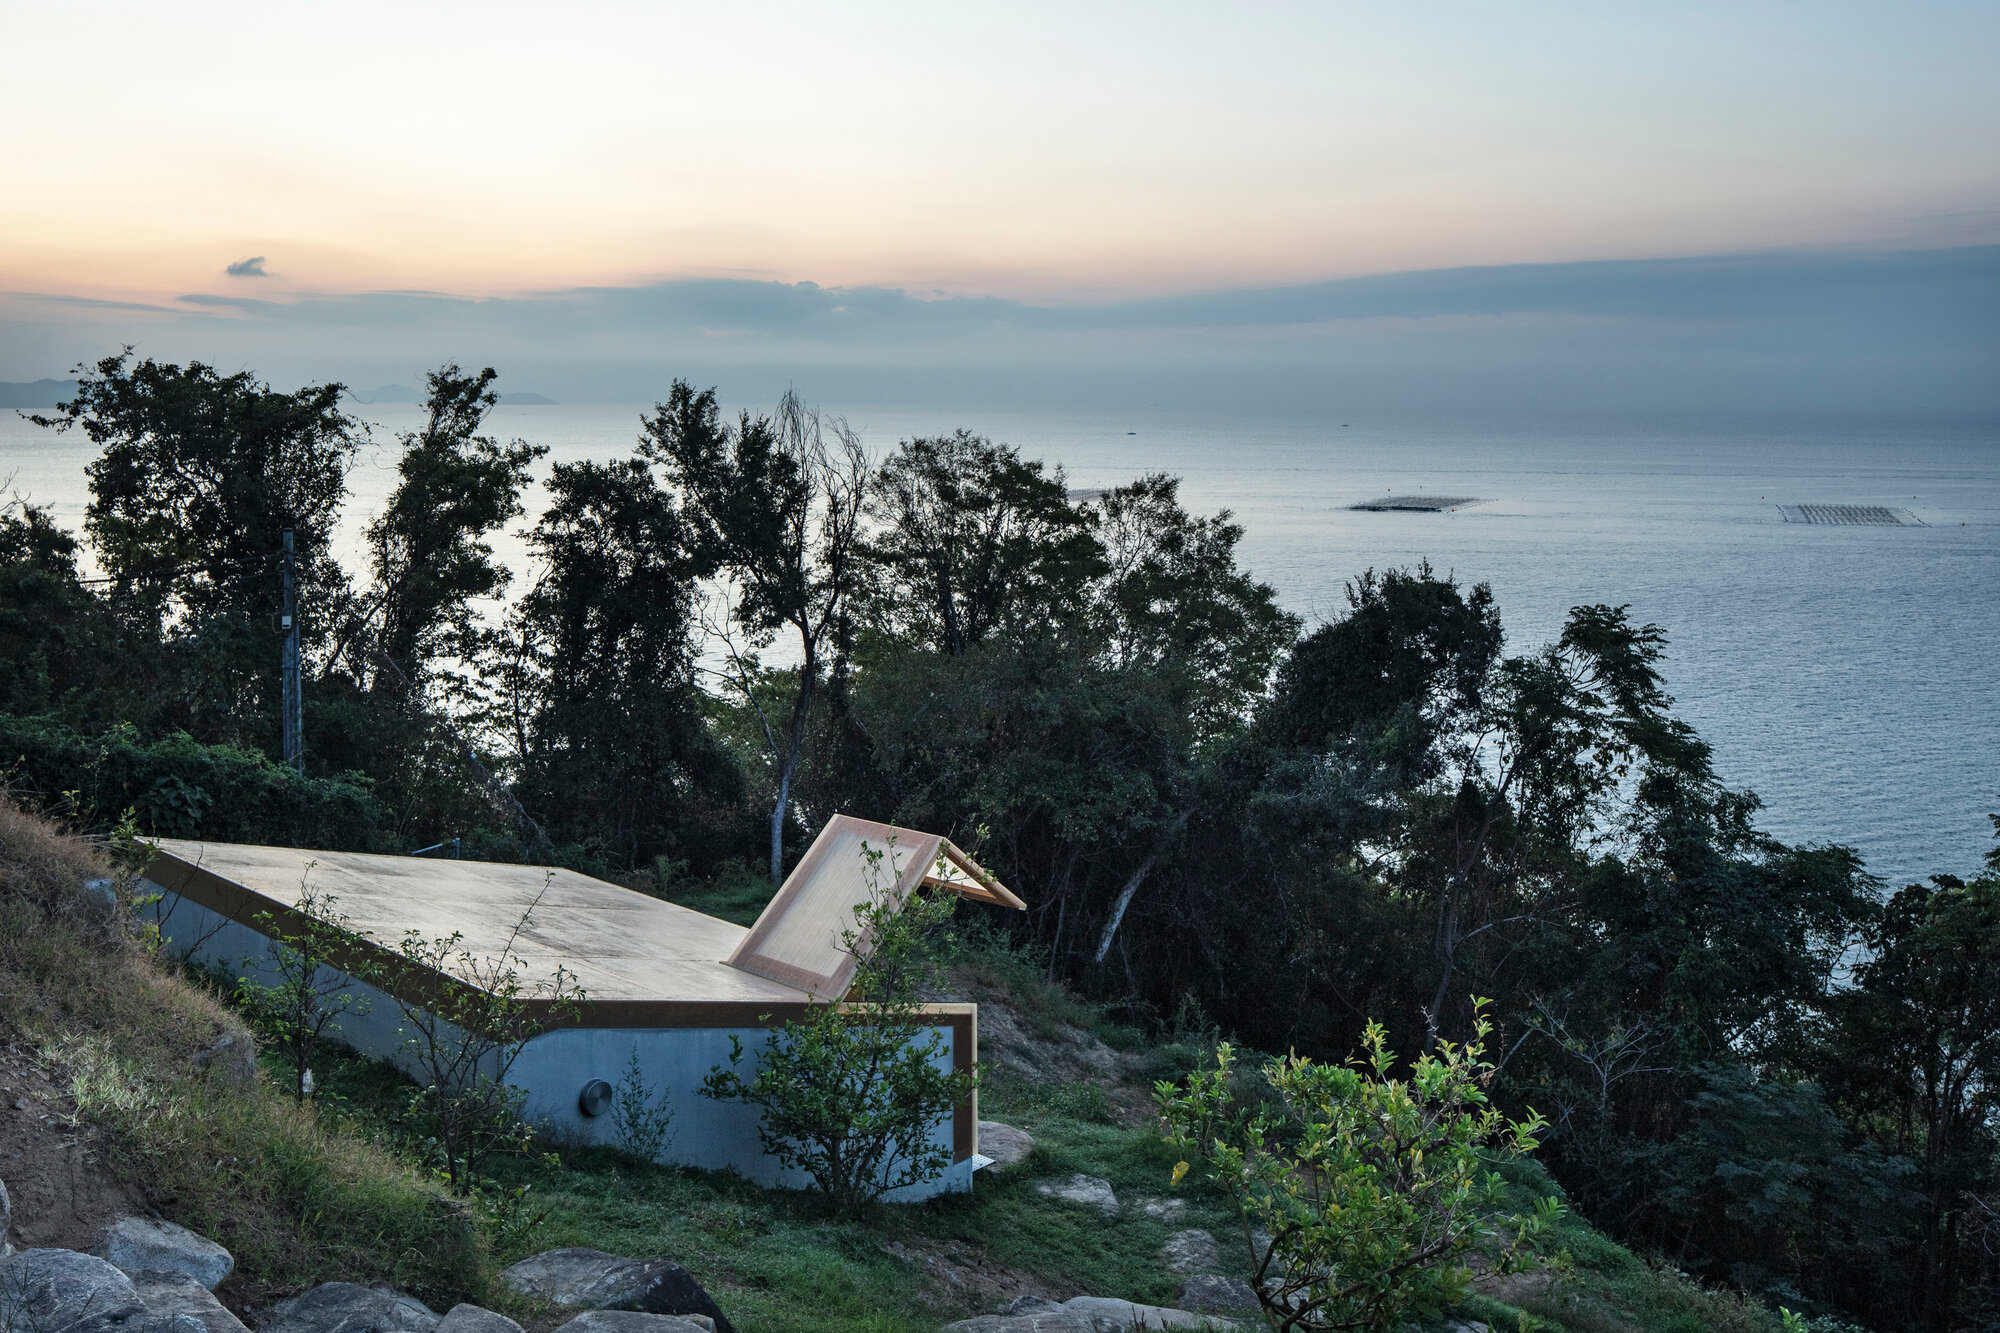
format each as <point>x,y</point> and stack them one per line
<point>800,938</point>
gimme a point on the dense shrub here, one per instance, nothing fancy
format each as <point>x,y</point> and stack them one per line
<point>176,787</point>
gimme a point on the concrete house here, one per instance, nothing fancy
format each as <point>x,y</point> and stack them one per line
<point>668,983</point>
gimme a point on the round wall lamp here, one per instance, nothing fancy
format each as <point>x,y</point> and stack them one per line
<point>595,1099</point>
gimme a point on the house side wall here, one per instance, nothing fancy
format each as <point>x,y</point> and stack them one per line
<point>554,1067</point>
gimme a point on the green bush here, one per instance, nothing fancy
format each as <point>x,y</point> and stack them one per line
<point>177,787</point>
<point>1367,1194</point>
<point>852,1094</point>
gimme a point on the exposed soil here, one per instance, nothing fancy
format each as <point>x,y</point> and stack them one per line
<point>61,1191</point>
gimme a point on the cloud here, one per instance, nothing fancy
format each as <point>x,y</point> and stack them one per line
<point>1909,330</point>
<point>252,267</point>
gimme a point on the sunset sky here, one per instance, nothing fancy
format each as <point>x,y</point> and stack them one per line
<point>1047,155</point>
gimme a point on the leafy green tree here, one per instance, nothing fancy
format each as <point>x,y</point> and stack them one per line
<point>1362,1196</point>
<point>1175,604</point>
<point>431,559</point>
<point>1916,1064</point>
<point>602,704</point>
<point>773,505</point>
<point>852,1095</point>
<point>200,476</point>
<point>971,538</point>
<point>62,649</point>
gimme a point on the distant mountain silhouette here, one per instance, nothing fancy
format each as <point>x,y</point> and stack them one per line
<point>388,393</point>
<point>41,393</point>
<point>402,393</point>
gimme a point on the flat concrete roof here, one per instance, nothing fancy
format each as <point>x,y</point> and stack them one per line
<point>624,947</point>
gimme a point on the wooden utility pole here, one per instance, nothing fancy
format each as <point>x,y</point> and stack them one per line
<point>291,704</point>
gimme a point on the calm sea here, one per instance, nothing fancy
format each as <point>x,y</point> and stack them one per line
<point>1849,675</point>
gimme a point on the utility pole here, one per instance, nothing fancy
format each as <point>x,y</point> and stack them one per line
<point>291,704</point>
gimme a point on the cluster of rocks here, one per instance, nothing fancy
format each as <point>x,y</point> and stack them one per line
<point>147,1276</point>
<point>1204,1293</point>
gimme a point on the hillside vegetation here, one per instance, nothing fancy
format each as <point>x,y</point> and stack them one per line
<point>1753,1056</point>
<point>141,1069</point>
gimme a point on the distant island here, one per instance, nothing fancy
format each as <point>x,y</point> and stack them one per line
<point>38,393</point>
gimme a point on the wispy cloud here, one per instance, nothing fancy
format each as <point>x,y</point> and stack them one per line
<point>1883,329</point>
<point>252,267</point>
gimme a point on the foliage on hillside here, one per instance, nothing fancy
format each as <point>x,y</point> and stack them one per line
<point>151,1067</point>
<point>1221,818</point>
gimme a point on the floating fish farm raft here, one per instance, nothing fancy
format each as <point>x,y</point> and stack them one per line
<point>1875,516</point>
<point>1417,504</point>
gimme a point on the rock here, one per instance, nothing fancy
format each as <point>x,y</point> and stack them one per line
<point>232,1057</point>
<point>1087,1190</point>
<point>61,1291</point>
<point>136,1245</point>
<point>1130,1315</point>
<point>1164,1210</point>
<point>347,1307</point>
<point>1213,1294</point>
<point>1513,1288</point>
<point>463,1318</point>
<point>1053,1319</point>
<point>6,1220</point>
<point>179,1299</point>
<point>1191,1251</point>
<point>594,1280</point>
<point>1463,1326</point>
<point>1032,1305</point>
<point>1005,1144</point>
<point>637,1321</point>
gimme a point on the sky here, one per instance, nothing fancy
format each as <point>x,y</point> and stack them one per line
<point>958,199</point>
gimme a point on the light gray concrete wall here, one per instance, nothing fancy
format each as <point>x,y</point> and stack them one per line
<point>554,1068</point>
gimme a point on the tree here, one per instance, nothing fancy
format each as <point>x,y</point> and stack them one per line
<point>466,1020</point>
<point>774,506</point>
<point>971,538</point>
<point>1916,1062</point>
<point>428,546</point>
<point>62,650</point>
<point>1175,604</point>
<point>200,477</point>
<point>1361,1196</point>
<point>311,993</point>
<point>601,701</point>
<point>852,1094</point>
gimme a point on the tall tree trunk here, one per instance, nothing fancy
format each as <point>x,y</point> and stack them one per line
<point>788,763</point>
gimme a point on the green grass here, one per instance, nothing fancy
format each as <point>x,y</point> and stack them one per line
<point>296,1197</point>
<point>778,1264</point>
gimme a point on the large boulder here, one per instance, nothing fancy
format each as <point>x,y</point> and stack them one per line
<point>1131,1315</point>
<point>141,1245</point>
<point>1034,1314</point>
<point>1089,1191</point>
<point>184,1303</point>
<point>594,1280</point>
<point>348,1307</point>
<point>463,1318</point>
<point>637,1321</point>
<point>1005,1144</point>
<point>1212,1294</point>
<point>1191,1251</point>
<point>62,1291</point>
